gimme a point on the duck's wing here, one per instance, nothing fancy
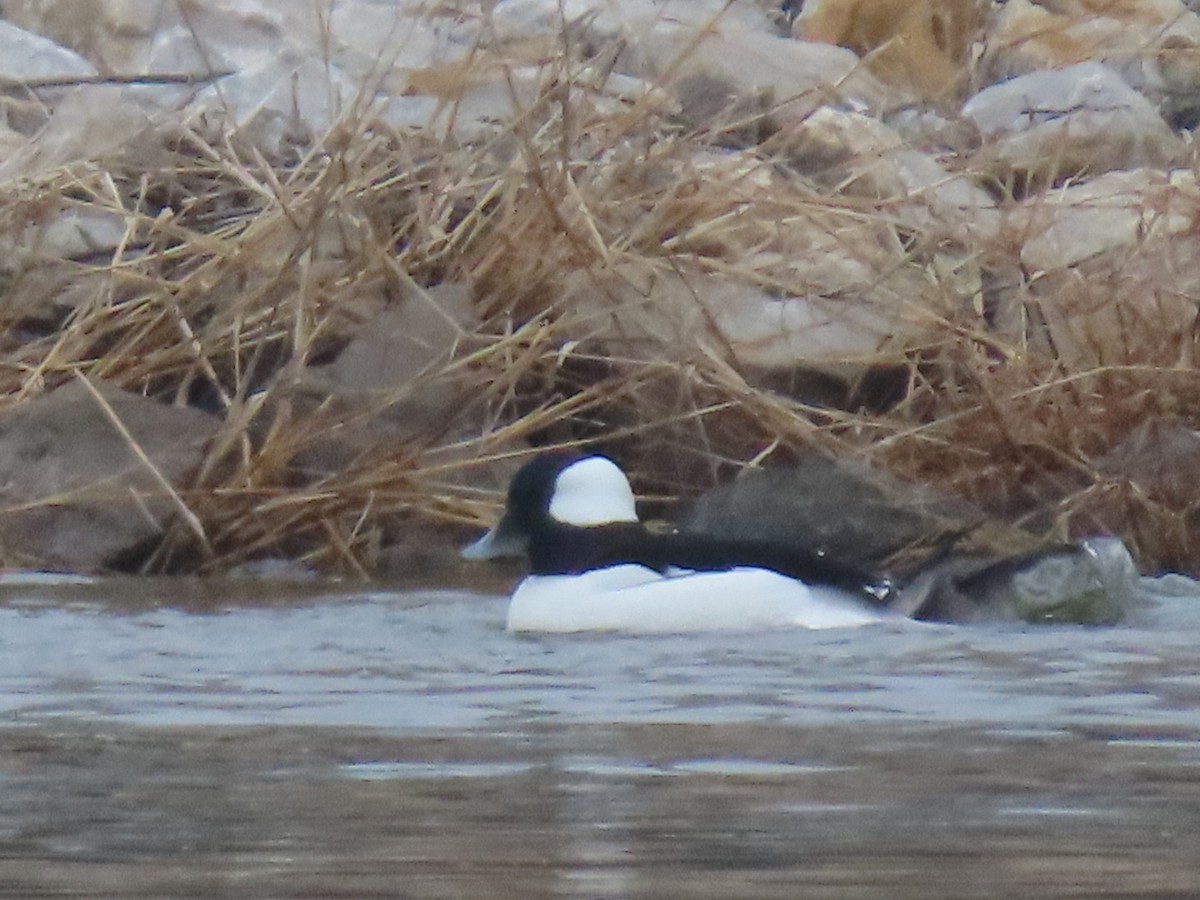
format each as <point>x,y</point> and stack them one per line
<point>706,553</point>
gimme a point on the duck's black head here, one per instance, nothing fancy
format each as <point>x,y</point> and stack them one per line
<point>560,506</point>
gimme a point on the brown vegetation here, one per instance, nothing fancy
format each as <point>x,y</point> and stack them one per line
<point>239,277</point>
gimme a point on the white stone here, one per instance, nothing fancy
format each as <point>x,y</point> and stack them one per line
<point>1060,228</point>
<point>279,102</point>
<point>1077,119</point>
<point>24,55</point>
<point>90,121</point>
<point>74,234</point>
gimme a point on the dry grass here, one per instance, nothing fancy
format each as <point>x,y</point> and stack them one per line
<point>238,274</point>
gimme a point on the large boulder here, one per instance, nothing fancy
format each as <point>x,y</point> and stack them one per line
<point>854,317</point>
<point>850,511</point>
<point>77,491</point>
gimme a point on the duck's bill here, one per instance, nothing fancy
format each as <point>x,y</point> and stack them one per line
<point>496,544</point>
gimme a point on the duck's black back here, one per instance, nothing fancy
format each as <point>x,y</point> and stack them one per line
<point>563,549</point>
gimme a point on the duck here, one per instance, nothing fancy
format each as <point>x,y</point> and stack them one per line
<point>594,566</point>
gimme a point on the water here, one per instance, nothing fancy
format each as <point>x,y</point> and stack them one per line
<point>179,739</point>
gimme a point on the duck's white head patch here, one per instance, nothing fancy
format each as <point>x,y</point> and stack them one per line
<point>593,491</point>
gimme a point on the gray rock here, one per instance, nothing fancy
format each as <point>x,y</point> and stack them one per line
<point>395,381</point>
<point>853,513</point>
<point>401,342</point>
<point>24,55</point>
<point>1088,583</point>
<point>1161,456</point>
<point>1082,119</point>
<point>75,493</point>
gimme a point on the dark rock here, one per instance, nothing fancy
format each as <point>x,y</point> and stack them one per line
<point>75,493</point>
<point>1162,457</point>
<point>848,511</point>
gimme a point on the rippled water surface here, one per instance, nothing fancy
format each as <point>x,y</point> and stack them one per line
<point>173,739</point>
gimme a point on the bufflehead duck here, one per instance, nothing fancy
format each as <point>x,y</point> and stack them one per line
<point>595,567</point>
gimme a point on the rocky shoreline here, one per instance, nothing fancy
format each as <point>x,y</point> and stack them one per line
<point>307,284</point>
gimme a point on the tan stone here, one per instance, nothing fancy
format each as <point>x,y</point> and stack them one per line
<point>643,308</point>
<point>862,157</point>
<point>794,78</point>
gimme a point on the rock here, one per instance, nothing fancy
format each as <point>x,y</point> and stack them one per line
<point>850,511</point>
<point>1179,65</point>
<point>75,234</point>
<point>404,341</point>
<point>923,44</point>
<point>1134,304</point>
<point>604,21</point>
<point>1162,457</point>
<point>1089,583</point>
<point>10,142</point>
<point>473,99</point>
<point>367,39</point>
<point>863,157</point>
<point>1147,487</point>
<point>89,122</point>
<point>1084,119</point>
<point>95,35</point>
<point>833,143</point>
<point>273,569</point>
<point>711,56</point>
<point>77,496</point>
<point>1117,209</point>
<point>278,105</point>
<point>679,308</point>
<point>1024,37</point>
<point>793,78</point>
<point>175,51</point>
<point>28,56</point>
<point>393,382</point>
<point>116,33</point>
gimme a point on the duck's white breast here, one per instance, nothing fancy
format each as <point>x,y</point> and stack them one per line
<point>636,599</point>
